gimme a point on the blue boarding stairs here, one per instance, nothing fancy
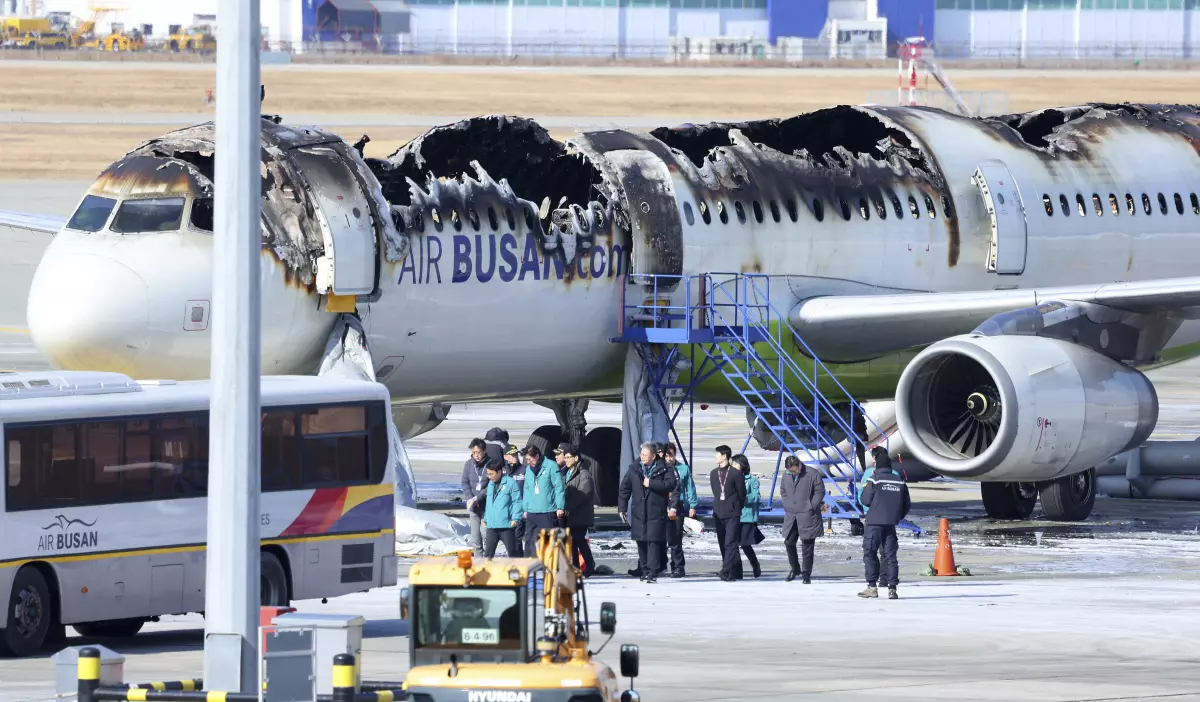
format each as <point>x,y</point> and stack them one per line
<point>725,323</point>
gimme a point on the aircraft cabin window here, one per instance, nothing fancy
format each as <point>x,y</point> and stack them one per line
<point>863,209</point>
<point>1097,204</point>
<point>704,214</point>
<point>1064,205</point>
<point>473,218</point>
<point>397,219</point>
<point>721,213</point>
<point>758,213</point>
<point>1178,203</point>
<point>419,220</point>
<point>512,221</point>
<point>740,211</point>
<point>1162,203</point>
<point>929,207</point>
<point>1113,204</point>
<point>160,214</point>
<point>896,206</point>
<point>492,221</point>
<point>775,211</point>
<point>93,212</point>
<point>845,209</point>
<point>1129,204</point>
<point>687,213</point>
<point>1146,203</point>
<point>456,220</point>
<point>436,217</point>
<point>912,207</point>
<point>793,211</point>
<point>1048,205</point>
<point>818,210</point>
<point>947,210</point>
<point>1079,205</point>
<point>1195,204</point>
<point>880,208</point>
<point>202,214</point>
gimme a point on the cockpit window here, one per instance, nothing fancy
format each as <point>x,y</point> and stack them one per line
<point>92,214</point>
<point>162,214</point>
<point>202,214</point>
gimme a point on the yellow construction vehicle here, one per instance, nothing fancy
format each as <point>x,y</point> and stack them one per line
<point>40,40</point>
<point>194,39</point>
<point>509,630</point>
<point>120,40</point>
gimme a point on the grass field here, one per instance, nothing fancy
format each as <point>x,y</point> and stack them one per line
<point>42,151</point>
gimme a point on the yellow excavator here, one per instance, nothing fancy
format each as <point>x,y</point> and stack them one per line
<point>508,630</point>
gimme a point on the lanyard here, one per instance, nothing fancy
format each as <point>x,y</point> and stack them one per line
<point>724,475</point>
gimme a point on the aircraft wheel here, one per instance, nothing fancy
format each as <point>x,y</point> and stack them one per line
<point>1011,501</point>
<point>546,439</point>
<point>602,447</point>
<point>1070,498</point>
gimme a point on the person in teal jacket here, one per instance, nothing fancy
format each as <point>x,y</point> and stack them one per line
<point>683,503</point>
<point>544,499</point>
<point>502,511</point>
<point>749,521</point>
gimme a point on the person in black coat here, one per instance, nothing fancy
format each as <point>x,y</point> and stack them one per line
<point>729,497</point>
<point>580,507</point>
<point>642,502</point>
<point>886,494</point>
<point>802,492</point>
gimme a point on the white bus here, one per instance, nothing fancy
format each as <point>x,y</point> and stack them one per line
<point>104,509</point>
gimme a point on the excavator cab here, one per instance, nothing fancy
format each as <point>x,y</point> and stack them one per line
<point>509,626</point>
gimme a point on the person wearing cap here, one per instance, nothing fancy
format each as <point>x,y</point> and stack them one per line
<point>684,503</point>
<point>515,469</point>
<point>474,478</point>
<point>877,454</point>
<point>802,492</point>
<point>886,494</point>
<point>544,496</point>
<point>502,511</point>
<point>580,509</point>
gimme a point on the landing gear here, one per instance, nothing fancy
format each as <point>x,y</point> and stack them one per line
<point>545,438</point>
<point>602,446</point>
<point>1009,501</point>
<point>1070,498</point>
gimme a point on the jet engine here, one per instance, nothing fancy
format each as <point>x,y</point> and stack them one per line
<point>414,420</point>
<point>1020,408</point>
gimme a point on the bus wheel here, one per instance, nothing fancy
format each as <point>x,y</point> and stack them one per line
<point>273,581</point>
<point>30,611</point>
<point>110,629</point>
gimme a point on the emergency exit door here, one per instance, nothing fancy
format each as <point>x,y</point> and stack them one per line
<point>344,215</point>
<point>1002,200</point>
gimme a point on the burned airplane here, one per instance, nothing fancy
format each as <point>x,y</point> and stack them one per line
<point>1001,278</point>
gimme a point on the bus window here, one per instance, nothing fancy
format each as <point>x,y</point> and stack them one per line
<point>280,451</point>
<point>335,445</point>
<point>378,419</point>
<point>137,472</point>
<point>61,485</point>
<point>180,470</point>
<point>101,453</point>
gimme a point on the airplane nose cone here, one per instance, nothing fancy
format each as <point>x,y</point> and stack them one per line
<point>88,312</point>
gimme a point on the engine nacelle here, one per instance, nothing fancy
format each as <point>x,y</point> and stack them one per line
<point>414,420</point>
<point>1020,408</point>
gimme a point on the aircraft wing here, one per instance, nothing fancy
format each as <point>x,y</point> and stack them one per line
<point>32,222</point>
<point>847,328</point>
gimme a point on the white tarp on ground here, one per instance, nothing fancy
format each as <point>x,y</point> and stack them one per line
<point>422,533</point>
<point>347,356</point>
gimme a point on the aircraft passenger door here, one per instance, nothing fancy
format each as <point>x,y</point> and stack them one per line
<point>349,265</point>
<point>1002,199</point>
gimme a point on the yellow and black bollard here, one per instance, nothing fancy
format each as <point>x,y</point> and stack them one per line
<point>343,678</point>
<point>88,674</point>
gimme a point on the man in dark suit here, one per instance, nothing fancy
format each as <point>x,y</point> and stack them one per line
<point>642,502</point>
<point>729,497</point>
<point>802,492</point>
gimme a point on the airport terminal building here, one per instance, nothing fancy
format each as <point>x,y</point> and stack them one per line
<point>694,29</point>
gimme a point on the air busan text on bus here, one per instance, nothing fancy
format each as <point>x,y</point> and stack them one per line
<point>1000,278</point>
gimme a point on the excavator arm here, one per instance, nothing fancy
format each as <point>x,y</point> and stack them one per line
<point>563,583</point>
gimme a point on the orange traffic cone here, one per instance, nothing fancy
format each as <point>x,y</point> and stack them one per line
<point>943,560</point>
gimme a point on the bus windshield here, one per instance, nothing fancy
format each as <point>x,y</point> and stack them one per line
<point>458,617</point>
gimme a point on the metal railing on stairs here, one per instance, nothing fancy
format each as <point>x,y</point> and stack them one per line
<point>744,337</point>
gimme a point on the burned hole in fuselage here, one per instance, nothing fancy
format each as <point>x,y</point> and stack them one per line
<point>518,151</point>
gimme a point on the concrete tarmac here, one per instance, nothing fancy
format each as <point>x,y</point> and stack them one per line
<point>1090,611</point>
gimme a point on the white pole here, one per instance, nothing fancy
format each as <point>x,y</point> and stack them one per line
<point>232,585</point>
